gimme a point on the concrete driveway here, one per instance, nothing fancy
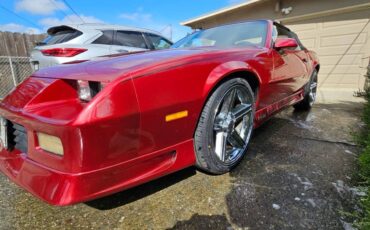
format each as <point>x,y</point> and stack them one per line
<point>295,176</point>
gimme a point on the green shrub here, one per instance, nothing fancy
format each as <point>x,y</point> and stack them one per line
<point>364,160</point>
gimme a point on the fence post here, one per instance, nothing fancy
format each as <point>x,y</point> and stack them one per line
<point>12,71</point>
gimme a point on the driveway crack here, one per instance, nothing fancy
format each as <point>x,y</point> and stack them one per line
<point>327,141</point>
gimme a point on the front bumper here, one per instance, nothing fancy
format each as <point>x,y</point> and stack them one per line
<point>49,185</point>
<point>59,182</point>
<point>58,188</point>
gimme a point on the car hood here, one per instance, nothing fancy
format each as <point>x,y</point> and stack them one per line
<point>132,65</point>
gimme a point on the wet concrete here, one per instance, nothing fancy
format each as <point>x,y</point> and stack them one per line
<point>292,178</point>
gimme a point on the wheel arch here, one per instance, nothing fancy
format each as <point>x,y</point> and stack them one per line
<point>230,70</point>
<point>251,76</point>
<point>247,75</point>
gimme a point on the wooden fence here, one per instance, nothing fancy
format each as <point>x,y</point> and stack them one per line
<point>18,44</point>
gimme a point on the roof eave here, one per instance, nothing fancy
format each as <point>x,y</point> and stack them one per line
<point>221,11</point>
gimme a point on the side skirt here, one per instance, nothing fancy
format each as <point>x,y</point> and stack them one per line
<point>266,113</point>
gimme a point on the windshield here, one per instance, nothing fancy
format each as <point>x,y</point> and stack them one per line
<point>252,33</point>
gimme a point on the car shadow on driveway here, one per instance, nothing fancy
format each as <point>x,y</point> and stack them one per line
<point>141,191</point>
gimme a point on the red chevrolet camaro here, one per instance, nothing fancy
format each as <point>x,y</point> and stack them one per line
<point>77,132</point>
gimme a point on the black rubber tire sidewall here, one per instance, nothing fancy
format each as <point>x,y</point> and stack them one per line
<point>206,159</point>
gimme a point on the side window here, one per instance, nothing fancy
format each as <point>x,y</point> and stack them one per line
<point>105,39</point>
<point>130,38</point>
<point>283,33</point>
<point>158,42</point>
<point>299,42</point>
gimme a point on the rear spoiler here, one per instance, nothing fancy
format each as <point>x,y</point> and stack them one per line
<point>56,29</point>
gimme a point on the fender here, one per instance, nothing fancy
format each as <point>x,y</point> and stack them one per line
<point>224,70</point>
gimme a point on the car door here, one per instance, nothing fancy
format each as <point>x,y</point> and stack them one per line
<point>290,67</point>
<point>157,42</point>
<point>128,41</point>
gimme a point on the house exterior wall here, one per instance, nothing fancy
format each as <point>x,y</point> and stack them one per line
<point>342,43</point>
<point>266,9</point>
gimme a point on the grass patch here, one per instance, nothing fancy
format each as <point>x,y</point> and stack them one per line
<point>363,139</point>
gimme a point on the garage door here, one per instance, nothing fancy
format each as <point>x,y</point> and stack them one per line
<point>343,45</point>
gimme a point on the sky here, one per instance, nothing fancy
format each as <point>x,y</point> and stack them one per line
<point>35,16</point>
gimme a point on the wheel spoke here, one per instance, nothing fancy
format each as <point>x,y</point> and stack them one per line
<point>240,95</point>
<point>220,145</point>
<point>228,102</point>
<point>312,97</point>
<point>235,140</point>
<point>217,126</point>
<point>313,85</point>
<point>241,110</point>
<point>244,127</point>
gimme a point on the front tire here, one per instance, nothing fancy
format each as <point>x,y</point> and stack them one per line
<point>225,127</point>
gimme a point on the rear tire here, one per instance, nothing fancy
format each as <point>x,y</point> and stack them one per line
<point>310,94</point>
<point>225,127</point>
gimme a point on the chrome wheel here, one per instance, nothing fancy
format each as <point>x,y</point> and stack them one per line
<point>233,124</point>
<point>224,127</point>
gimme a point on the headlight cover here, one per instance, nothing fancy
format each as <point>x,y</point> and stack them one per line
<point>50,143</point>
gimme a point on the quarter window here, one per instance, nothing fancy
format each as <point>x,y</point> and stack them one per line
<point>130,39</point>
<point>105,39</point>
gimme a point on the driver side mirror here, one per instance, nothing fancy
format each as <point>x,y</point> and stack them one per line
<point>281,43</point>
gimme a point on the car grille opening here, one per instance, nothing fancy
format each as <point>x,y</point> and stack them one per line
<point>17,137</point>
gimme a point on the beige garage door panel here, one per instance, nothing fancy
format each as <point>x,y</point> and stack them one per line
<point>342,47</point>
<point>346,81</point>
<point>341,78</point>
<point>308,34</point>
<point>350,59</point>
<point>304,33</point>
<point>309,43</point>
<point>336,28</point>
<point>339,69</point>
<point>342,30</point>
<point>340,40</point>
<point>339,50</point>
<point>303,27</point>
<point>326,25</point>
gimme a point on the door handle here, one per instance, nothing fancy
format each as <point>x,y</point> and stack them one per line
<point>304,60</point>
